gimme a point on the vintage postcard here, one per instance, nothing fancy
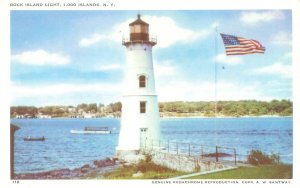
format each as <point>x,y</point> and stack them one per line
<point>154,93</point>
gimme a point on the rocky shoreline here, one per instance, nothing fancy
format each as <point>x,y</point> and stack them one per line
<point>97,170</point>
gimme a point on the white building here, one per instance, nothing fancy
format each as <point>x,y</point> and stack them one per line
<point>140,110</point>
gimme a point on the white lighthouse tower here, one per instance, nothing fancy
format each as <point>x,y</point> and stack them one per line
<point>140,111</point>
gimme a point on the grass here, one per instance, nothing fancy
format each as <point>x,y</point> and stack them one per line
<point>146,169</point>
<point>149,170</point>
<point>279,171</point>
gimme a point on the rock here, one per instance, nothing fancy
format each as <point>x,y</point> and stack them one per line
<point>104,163</point>
<point>137,175</point>
<point>75,173</point>
<point>133,159</point>
<point>85,168</point>
<point>99,163</point>
<point>100,166</point>
<point>25,176</point>
<point>59,173</point>
<point>126,164</point>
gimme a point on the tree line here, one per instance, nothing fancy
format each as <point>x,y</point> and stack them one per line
<point>224,108</point>
<point>231,108</point>
<point>66,111</point>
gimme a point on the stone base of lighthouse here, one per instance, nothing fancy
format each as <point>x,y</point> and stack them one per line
<point>129,156</point>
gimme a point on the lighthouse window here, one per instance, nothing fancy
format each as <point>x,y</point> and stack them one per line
<point>143,107</point>
<point>142,81</point>
<point>137,29</point>
<point>144,29</point>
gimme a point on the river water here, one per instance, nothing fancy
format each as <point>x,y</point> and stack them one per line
<point>65,150</point>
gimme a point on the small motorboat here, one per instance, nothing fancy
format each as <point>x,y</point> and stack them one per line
<point>92,130</point>
<point>29,138</point>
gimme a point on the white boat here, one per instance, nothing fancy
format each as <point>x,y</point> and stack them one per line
<point>89,132</point>
<point>92,130</point>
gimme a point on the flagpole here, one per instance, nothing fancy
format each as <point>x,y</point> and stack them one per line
<point>216,69</point>
<point>216,87</point>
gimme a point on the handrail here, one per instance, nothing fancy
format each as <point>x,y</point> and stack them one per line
<point>152,40</point>
<point>190,149</point>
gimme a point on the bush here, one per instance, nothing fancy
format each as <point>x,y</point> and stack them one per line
<point>148,158</point>
<point>257,157</point>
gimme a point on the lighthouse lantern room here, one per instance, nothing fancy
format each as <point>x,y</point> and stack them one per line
<point>140,111</point>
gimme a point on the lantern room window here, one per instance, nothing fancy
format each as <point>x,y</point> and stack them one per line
<point>142,81</point>
<point>139,29</point>
<point>145,29</point>
<point>143,107</point>
<point>135,29</point>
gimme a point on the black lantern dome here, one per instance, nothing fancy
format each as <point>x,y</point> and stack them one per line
<point>139,33</point>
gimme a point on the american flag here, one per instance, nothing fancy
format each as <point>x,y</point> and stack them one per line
<point>241,46</point>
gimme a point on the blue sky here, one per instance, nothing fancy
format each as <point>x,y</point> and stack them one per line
<point>71,57</point>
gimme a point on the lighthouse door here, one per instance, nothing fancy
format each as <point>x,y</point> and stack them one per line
<point>143,137</point>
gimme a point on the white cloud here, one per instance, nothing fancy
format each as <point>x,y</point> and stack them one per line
<point>118,31</point>
<point>169,33</point>
<point>164,28</point>
<point>164,68</point>
<point>95,38</point>
<point>109,67</point>
<point>205,91</point>
<point>228,60</point>
<point>252,17</point>
<point>279,85</point>
<point>282,38</point>
<point>40,57</point>
<point>278,69</point>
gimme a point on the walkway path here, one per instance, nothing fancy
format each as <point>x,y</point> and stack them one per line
<point>202,173</point>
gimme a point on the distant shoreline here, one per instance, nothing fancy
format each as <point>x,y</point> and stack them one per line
<point>196,117</point>
<point>175,117</point>
<point>200,109</point>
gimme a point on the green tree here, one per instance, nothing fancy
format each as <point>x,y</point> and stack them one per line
<point>161,107</point>
<point>92,108</point>
<point>23,110</point>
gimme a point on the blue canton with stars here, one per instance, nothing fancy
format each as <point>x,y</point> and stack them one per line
<point>230,40</point>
